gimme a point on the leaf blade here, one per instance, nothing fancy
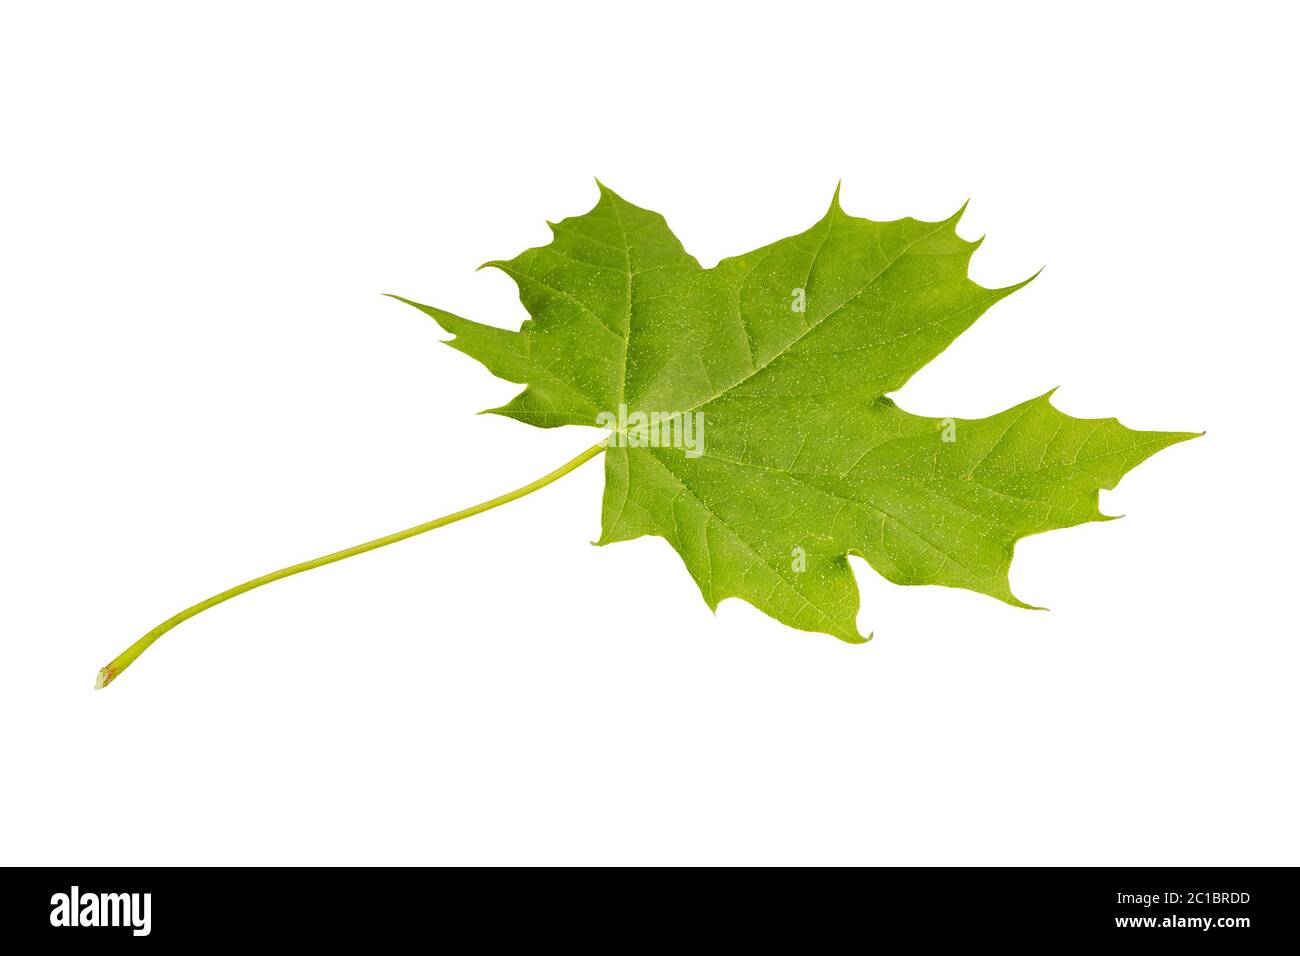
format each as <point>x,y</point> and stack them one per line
<point>788,353</point>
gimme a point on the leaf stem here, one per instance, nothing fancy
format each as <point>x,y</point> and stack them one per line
<point>124,660</point>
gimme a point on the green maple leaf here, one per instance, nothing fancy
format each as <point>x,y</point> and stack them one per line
<point>805,460</point>
<point>750,423</point>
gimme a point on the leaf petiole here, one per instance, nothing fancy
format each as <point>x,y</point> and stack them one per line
<point>124,660</point>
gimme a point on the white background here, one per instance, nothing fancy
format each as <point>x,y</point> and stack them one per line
<point>201,382</point>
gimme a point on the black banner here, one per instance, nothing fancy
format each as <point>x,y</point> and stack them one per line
<point>1233,908</point>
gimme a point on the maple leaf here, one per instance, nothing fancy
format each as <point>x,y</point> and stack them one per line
<point>786,355</point>
<point>748,413</point>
